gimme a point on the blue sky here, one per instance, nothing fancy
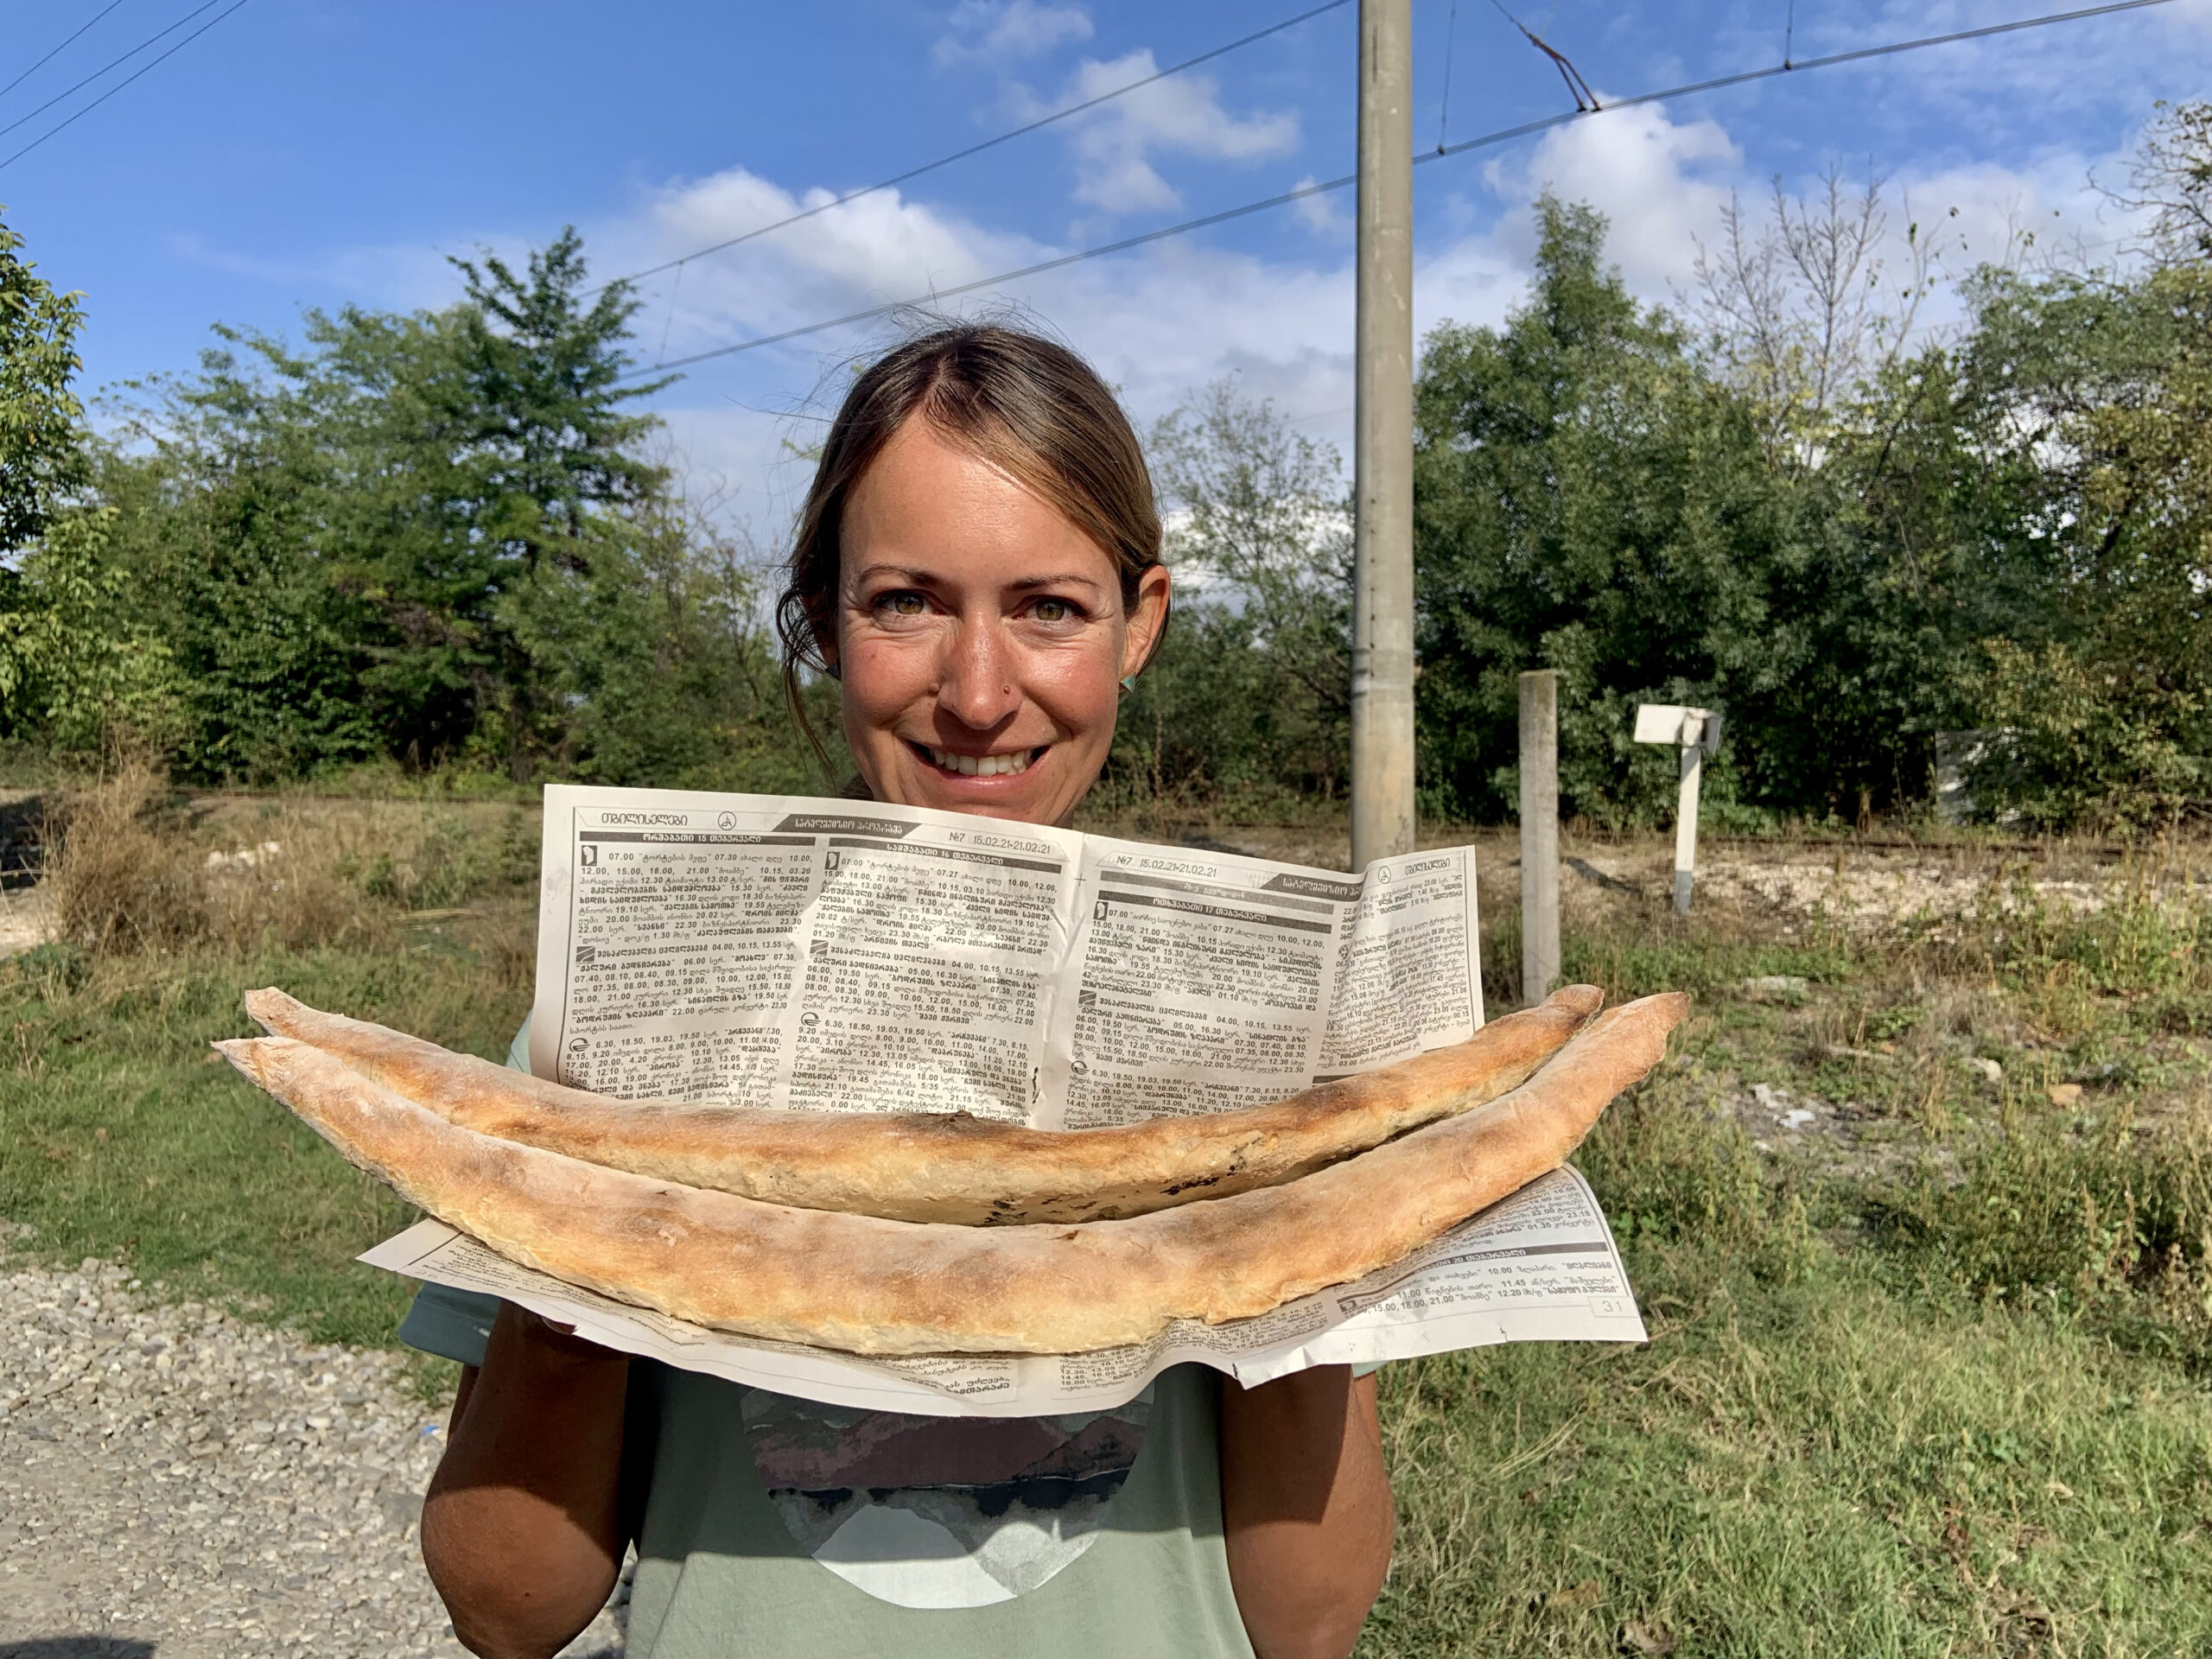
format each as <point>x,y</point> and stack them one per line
<point>323,152</point>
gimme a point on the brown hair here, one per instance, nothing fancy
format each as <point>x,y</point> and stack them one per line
<point>1026,404</point>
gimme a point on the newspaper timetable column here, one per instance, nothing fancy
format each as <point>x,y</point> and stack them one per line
<point>928,970</point>
<point>1198,990</point>
<point>682,956</point>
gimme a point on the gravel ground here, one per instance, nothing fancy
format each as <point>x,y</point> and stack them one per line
<point>177,1484</point>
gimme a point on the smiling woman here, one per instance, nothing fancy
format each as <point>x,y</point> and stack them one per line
<point>978,565</point>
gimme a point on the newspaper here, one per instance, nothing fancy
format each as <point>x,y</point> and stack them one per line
<point>841,955</point>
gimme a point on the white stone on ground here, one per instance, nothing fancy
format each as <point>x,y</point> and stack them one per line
<point>178,1483</point>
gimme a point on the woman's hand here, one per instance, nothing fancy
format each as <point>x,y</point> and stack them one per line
<point>522,1529</point>
<point>1306,1506</point>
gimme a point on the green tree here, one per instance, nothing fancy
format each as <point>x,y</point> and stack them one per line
<point>41,439</point>
<point>1249,695</point>
<point>1586,499</point>
<point>374,544</point>
<point>75,671</point>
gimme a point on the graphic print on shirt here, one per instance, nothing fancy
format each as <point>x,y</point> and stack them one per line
<point>941,1511</point>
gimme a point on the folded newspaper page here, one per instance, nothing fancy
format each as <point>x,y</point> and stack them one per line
<point>841,956</point>
<point>1538,1267</point>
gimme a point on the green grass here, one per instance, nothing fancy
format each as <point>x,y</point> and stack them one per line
<point>121,1134</point>
<point>1938,1390</point>
<point>1822,1467</point>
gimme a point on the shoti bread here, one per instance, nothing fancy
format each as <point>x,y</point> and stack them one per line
<point>947,1166</point>
<point>870,1286</point>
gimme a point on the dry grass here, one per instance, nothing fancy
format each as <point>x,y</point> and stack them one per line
<point>134,868</point>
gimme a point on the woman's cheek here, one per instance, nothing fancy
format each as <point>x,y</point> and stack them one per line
<point>1076,686</point>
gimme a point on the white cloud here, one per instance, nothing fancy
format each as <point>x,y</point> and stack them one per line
<point>980,31</point>
<point>1182,115</point>
<point>882,247</point>
<point>1657,183</point>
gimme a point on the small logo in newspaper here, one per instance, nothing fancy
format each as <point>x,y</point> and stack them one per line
<point>1086,999</point>
<point>726,821</point>
<point>588,854</point>
<point>586,954</point>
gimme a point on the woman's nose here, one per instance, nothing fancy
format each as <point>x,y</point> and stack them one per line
<point>977,686</point>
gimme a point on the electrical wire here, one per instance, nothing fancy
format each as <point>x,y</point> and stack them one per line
<point>110,64</point>
<point>896,180</point>
<point>49,57</point>
<point>80,114</point>
<point>1504,135</point>
<point>1577,88</point>
<point>1865,53</point>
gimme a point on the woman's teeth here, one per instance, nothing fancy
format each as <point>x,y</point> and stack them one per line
<point>983,765</point>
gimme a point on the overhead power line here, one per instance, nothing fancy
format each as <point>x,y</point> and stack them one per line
<point>1504,135</point>
<point>111,63</point>
<point>50,56</point>
<point>896,180</point>
<point>1578,88</point>
<point>80,114</point>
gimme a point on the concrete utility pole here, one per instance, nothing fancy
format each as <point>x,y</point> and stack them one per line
<point>1383,448</point>
<point>1539,833</point>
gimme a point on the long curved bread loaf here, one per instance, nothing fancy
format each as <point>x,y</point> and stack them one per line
<point>868,1286</point>
<point>947,1166</point>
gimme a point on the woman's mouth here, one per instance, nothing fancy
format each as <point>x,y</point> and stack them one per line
<point>980,766</point>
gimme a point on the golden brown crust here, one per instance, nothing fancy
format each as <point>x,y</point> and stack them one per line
<point>948,1166</point>
<point>870,1286</point>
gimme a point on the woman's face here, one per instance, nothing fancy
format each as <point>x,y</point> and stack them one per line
<point>980,637</point>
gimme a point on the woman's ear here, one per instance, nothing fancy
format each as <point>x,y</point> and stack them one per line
<point>1147,620</point>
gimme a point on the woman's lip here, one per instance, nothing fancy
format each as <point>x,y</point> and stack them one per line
<point>988,768</point>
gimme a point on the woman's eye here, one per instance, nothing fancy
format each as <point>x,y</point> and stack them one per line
<point>1053,610</point>
<point>906,604</point>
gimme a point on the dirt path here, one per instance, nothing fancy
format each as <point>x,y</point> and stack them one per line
<point>178,1485</point>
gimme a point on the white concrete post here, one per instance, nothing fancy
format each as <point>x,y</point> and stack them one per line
<point>1686,825</point>
<point>1696,734</point>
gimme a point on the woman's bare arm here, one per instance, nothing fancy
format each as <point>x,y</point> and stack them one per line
<point>1306,1504</point>
<point>522,1529</point>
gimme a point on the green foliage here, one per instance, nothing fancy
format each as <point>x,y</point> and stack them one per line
<point>1249,695</point>
<point>2081,741</point>
<point>1587,500</point>
<point>73,662</point>
<point>2106,388</point>
<point>435,541</point>
<point>41,441</point>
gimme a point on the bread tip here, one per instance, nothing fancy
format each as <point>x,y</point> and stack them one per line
<point>244,1052</point>
<point>1585,999</point>
<point>268,1006</point>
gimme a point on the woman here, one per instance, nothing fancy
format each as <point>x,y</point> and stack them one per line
<point>978,565</point>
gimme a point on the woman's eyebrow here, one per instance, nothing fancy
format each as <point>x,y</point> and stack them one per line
<point>904,572</point>
<point>1028,583</point>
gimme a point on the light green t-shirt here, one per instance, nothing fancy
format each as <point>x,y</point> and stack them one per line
<point>776,1525</point>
